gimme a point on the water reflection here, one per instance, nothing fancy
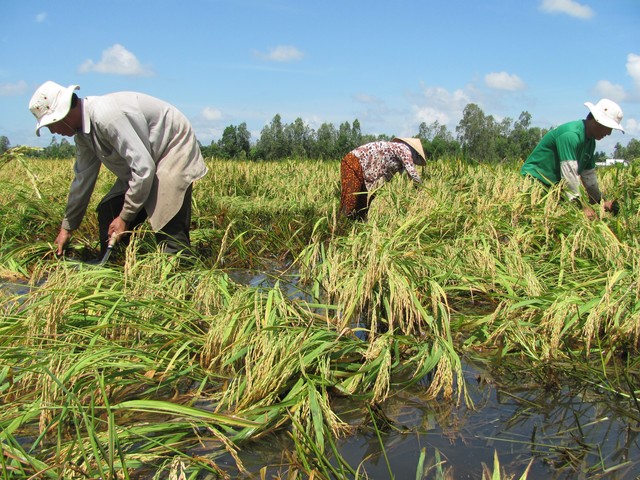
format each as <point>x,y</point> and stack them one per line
<point>267,277</point>
<point>570,433</point>
<point>14,289</point>
<point>568,429</point>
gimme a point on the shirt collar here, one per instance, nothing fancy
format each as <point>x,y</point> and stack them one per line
<point>86,124</point>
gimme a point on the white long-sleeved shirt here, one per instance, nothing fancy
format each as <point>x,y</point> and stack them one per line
<point>569,173</point>
<point>150,147</point>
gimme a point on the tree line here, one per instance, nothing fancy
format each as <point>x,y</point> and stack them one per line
<point>478,138</point>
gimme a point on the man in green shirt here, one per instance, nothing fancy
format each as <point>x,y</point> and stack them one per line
<point>566,153</point>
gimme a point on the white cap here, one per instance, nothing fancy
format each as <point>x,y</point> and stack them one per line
<point>51,103</point>
<point>607,112</point>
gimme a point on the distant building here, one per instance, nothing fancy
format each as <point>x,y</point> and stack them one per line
<point>613,161</point>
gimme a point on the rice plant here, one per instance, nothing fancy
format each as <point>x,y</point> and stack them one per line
<point>129,371</point>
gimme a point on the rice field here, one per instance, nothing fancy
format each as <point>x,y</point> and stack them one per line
<point>292,331</point>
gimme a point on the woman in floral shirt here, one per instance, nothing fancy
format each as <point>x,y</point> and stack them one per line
<point>371,165</point>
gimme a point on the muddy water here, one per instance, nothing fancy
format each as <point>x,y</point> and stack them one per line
<point>13,288</point>
<point>572,431</point>
<point>566,432</point>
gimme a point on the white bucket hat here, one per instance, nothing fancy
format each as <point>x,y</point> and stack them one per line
<point>416,144</point>
<point>607,112</point>
<point>51,103</point>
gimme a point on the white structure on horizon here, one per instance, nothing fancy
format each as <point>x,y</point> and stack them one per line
<point>613,161</point>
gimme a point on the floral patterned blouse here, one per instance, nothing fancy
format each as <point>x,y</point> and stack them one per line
<point>380,161</point>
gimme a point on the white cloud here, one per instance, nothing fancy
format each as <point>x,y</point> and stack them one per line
<point>605,88</point>
<point>281,53</point>
<point>631,127</point>
<point>211,114</point>
<point>442,98</point>
<point>206,135</point>
<point>429,115</point>
<point>633,68</point>
<point>365,98</point>
<point>10,89</point>
<point>570,7</point>
<point>116,60</point>
<point>41,17</point>
<point>438,104</point>
<point>503,81</point>
<point>618,93</point>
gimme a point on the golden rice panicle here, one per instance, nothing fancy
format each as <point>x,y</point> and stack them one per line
<point>229,331</point>
<point>604,317</point>
<point>442,380</point>
<point>555,322</point>
<point>379,353</point>
<point>50,393</point>
<point>336,424</point>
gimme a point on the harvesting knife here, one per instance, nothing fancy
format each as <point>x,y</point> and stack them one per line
<point>112,242</point>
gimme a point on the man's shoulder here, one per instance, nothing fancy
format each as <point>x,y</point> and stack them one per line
<point>571,131</point>
<point>576,126</point>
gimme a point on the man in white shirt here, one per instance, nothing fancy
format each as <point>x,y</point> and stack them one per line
<point>146,143</point>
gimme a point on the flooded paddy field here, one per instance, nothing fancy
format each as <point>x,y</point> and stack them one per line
<point>475,328</point>
<point>572,431</point>
<point>553,427</point>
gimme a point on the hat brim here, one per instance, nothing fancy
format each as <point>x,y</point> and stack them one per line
<point>63,105</point>
<point>602,119</point>
<point>415,144</point>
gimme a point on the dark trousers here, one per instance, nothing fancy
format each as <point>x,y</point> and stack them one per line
<point>173,237</point>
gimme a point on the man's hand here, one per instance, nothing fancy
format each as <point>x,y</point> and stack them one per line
<point>590,213</point>
<point>117,227</point>
<point>611,206</point>
<point>61,240</point>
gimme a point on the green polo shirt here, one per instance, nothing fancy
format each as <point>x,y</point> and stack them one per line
<point>566,142</point>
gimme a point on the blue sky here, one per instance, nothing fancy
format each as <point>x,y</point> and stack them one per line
<point>391,65</point>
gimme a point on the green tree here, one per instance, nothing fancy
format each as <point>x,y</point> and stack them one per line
<point>599,156</point>
<point>437,141</point>
<point>272,143</point>
<point>227,144</point>
<point>61,150</point>
<point>4,144</point>
<point>299,138</point>
<point>478,135</point>
<point>235,142</point>
<point>619,151</point>
<point>210,151</point>
<point>243,138</point>
<point>630,152</point>
<point>428,132</point>
<point>504,147</point>
<point>343,142</point>
<point>382,137</point>
<point>349,137</point>
<point>633,149</point>
<point>356,133</point>
<point>325,145</point>
<point>524,137</point>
